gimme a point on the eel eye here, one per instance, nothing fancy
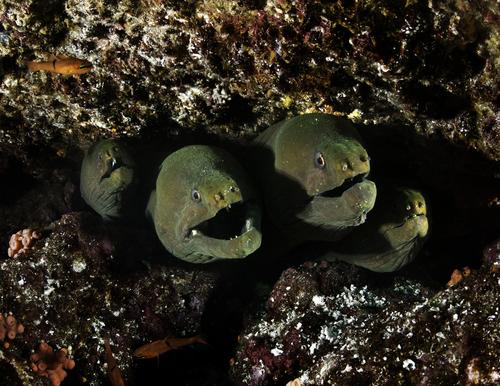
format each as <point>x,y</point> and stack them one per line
<point>319,160</point>
<point>195,195</point>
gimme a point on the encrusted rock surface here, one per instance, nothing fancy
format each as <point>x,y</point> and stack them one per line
<point>233,67</point>
<point>334,324</point>
<point>70,291</point>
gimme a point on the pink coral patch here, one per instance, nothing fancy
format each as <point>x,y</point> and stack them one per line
<point>21,241</point>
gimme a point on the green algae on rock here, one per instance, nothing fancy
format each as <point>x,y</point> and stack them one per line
<point>204,207</point>
<point>108,179</point>
<point>312,169</point>
<point>392,236</point>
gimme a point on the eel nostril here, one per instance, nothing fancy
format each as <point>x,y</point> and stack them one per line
<point>218,197</point>
<point>364,158</point>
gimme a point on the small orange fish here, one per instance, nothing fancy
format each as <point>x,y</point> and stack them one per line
<point>114,374</point>
<point>152,350</point>
<point>61,65</point>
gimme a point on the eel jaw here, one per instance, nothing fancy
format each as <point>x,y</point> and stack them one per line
<point>234,232</point>
<point>239,211</point>
<point>422,223</point>
<point>353,190</point>
<point>412,215</point>
<point>340,208</point>
<point>346,185</point>
<point>112,164</point>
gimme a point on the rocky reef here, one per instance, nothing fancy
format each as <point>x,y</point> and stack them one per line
<point>71,292</point>
<point>333,324</point>
<point>418,78</point>
<point>234,67</point>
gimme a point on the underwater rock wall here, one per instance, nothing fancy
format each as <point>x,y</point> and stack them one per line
<point>234,67</point>
<point>73,292</point>
<point>335,325</point>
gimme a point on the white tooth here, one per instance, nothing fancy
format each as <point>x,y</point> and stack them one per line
<point>229,206</point>
<point>113,163</point>
<point>248,224</point>
<point>194,232</point>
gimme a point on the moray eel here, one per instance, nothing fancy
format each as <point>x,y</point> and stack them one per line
<point>107,179</point>
<point>204,207</point>
<point>392,236</point>
<point>313,169</point>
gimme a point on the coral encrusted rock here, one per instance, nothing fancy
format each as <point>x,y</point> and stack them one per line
<point>332,324</point>
<point>72,290</point>
<point>50,364</point>
<point>233,67</point>
<point>9,328</point>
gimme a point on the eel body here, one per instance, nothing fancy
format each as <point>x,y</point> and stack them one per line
<point>108,179</point>
<point>392,236</point>
<point>204,207</point>
<point>313,173</point>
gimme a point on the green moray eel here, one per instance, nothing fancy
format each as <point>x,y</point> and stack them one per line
<point>107,179</point>
<point>392,236</point>
<point>204,207</point>
<point>313,169</point>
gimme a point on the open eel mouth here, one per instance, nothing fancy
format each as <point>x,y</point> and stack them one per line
<point>230,222</point>
<point>348,183</point>
<point>413,215</point>
<point>409,217</point>
<point>112,165</point>
<point>344,206</point>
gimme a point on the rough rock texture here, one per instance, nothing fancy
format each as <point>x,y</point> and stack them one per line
<point>233,67</point>
<point>334,324</point>
<point>70,291</point>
